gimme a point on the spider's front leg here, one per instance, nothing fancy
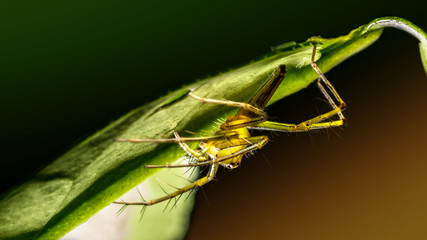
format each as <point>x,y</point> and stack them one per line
<point>320,122</point>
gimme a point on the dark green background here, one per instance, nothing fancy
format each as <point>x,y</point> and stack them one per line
<point>68,68</point>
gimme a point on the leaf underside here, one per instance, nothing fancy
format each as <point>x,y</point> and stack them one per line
<point>98,171</point>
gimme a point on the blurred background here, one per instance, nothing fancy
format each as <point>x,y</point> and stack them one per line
<point>67,69</point>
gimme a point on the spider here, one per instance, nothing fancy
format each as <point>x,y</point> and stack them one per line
<point>233,140</point>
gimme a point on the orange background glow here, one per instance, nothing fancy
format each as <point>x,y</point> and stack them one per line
<point>370,182</point>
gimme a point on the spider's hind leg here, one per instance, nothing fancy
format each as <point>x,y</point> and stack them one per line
<point>198,183</point>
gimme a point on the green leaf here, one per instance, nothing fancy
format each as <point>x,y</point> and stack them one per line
<point>166,220</point>
<point>98,171</point>
<point>406,26</point>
